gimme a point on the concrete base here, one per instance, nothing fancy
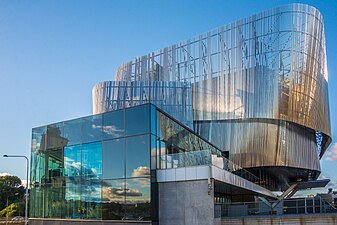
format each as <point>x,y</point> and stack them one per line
<point>85,222</point>
<point>314,219</point>
<point>186,203</point>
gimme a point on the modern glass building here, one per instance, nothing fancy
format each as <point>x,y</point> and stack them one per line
<point>192,132</point>
<point>95,167</point>
<point>103,167</point>
<point>264,73</point>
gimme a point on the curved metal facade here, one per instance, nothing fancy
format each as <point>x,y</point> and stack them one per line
<point>173,97</point>
<point>259,87</point>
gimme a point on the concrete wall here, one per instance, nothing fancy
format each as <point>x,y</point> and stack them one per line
<point>186,203</point>
<point>83,222</point>
<point>314,219</point>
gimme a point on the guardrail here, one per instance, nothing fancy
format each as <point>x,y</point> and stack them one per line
<point>2,221</point>
<point>313,205</point>
<point>204,157</point>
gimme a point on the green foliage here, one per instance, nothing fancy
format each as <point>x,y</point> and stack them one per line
<point>11,210</point>
<point>9,186</point>
<point>12,181</point>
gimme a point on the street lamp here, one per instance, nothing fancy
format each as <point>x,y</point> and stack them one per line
<point>7,206</point>
<point>26,196</point>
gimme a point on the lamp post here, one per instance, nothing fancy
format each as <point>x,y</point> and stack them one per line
<point>7,206</point>
<point>26,195</point>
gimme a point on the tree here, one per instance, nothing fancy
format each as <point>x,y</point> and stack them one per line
<point>10,210</point>
<point>9,186</point>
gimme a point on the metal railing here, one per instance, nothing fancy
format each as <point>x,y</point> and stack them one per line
<point>204,157</point>
<point>313,205</point>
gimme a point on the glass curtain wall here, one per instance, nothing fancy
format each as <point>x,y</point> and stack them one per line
<point>95,167</point>
<point>103,167</point>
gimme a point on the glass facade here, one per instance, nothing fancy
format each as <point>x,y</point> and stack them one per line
<point>102,167</point>
<point>95,167</point>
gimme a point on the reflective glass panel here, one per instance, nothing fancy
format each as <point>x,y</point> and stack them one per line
<point>138,156</point>
<point>38,146</point>
<point>73,203</point>
<point>113,199</point>
<point>39,138</point>
<point>91,206</point>
<point>55,202</point>
<point>153,119</point>
<point>55,167</point>
<point>55,140</point>
<point>113,159</point>
<point>138,199</point>
<point>113,124</point>
<point>72,161</point>
<point>137,120</point>
<point>36,202</point>
<point>72,131</point>
<point>154,149</point>
<point>91,128</point>
<point>37,168</point>
<point>92,161</point>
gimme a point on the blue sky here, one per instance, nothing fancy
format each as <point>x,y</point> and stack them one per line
<point>53,52</point>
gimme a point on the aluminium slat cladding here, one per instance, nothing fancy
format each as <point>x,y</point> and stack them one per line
<point>259,88</point>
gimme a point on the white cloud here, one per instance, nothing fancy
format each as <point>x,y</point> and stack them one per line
<point>118,193</point>
<point>110,130</point>
<point>144,182</point>
<point>141,171</point>
<point>331,154</point>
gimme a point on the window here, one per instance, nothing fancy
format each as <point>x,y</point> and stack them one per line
<point>113,159</point>
<point>92,161</point>
<point>137,120</point>
<point>72,131</point>
<point>138,156</point>
<point>113,124</point>
<point>92,128</point>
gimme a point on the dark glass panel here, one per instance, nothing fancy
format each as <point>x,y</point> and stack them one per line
<point>113,159</point>
<point>92,128</point>
<point>73,201</point>
<point>138,156</point>
<point>38,147</point>
<point>38,168</point>
<point>167,129</point>
<point>55,139</point>
<point>72,161</point>
<point>113,199</point>
<point>36,202</point>
<point>39,138</point>
<point>91,205</point>
<point>154,150</point>
<point>72,131</point>
<point>113,124</point>
<point>162,152</point>
<point>153,119</point>
<point>92,161</point>
<point>138,199</point>
<point>54,202</point>
<point>55,167</point>
<point>137,120</point>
